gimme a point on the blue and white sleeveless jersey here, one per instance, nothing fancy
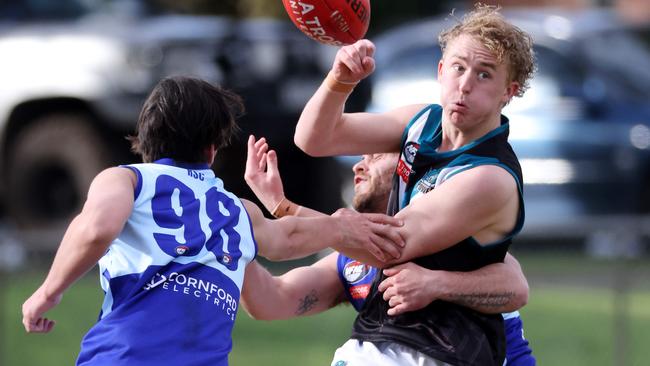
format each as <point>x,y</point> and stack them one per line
<point>173,277</point>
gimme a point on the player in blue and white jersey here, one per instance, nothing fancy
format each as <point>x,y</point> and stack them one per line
<point>336,278</point>
<point>172,243</point>
<point>459,186</point>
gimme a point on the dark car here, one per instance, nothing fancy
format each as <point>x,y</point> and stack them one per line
<point>581,132</point>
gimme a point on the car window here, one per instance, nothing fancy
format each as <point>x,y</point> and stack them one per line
<point>22,10</point>
<point>627,77</point>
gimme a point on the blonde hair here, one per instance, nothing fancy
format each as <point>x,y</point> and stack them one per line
<point>506,41</point>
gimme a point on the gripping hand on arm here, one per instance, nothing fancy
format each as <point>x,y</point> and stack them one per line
<point>495,288</point>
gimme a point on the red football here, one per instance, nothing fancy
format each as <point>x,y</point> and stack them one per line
<point>333,22</point>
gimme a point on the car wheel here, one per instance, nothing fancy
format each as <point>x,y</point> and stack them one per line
<point>51,166</point>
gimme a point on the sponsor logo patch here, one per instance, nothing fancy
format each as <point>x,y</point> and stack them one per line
<point>403,170</point>
<point>355,271</point>
<point>360,292</point>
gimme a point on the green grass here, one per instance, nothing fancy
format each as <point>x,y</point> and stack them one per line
<point>566,324</point>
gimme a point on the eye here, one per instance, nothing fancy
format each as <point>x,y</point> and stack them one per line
<point>458,67</point>
<point>484,75</point>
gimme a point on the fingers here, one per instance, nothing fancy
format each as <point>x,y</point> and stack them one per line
<point>366,51</point>
<point>391,236</point>
<point>251,163</point>
<point>385,284</point>
<point>384,219</point>
<point>386,246</point>
<point>41,325</point>
<point>397,309</point>
<point>349,57</point>
<point>393,270</point>
<point>369,46</point>
<point>357,58</point>
<point>272,163</point>
<point>376,251</point>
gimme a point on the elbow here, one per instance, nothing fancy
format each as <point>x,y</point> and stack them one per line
<point>308,144</point>
<point>256,313</point>
<point>521,297</point>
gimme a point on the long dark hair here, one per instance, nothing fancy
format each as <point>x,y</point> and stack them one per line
<point>184,116</point>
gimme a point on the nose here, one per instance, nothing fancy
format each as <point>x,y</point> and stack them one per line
<point>465,83</point>
<point>360,166</point>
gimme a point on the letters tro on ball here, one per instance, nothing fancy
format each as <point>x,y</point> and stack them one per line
<point>332,22</point>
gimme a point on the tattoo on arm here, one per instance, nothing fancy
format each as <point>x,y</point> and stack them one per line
<point>485,299</point>
<point>307,303</point>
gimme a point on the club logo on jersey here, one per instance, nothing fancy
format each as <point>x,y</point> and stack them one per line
<point>428,181</point>
<point>226,259</point>
<point>410,150</point>
<point>182,249</point>
<point>341,363</point>
<point>355,271</point>
<point>406,160</point>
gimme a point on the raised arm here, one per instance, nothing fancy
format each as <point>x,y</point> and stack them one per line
<point>495,288</point>
<point>481,202</point>
<point>324,130</point>
<point>302,291</point>
<point>109,204</point>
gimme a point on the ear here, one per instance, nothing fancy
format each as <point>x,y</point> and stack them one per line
<point>210,153</point>
<point>440,68</point>
<point>511,90</point>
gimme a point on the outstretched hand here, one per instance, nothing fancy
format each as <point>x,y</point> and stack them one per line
<point>262,174</point>
<point>376,233</point>
<point>33,310</point>
<point>407,288</point>
<point>354,62</point>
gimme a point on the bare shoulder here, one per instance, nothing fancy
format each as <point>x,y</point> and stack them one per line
<point>253,211</point>
<point>115,178</point>
<point>486,178</point>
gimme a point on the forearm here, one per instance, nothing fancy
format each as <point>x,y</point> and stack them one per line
<point>319,122</point>
<point>261,296</point>
<point>301,291</point>
<point>79,251</point>
<point>294,237</point>
<point>491,289</point>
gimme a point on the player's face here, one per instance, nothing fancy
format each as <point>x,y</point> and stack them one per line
<point>372,182</point>
<point>474,85</point>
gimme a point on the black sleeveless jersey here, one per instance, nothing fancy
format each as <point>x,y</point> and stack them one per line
<point>445,331</point>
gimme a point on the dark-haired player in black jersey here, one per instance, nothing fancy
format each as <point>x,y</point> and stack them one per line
<point>458,189</point>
